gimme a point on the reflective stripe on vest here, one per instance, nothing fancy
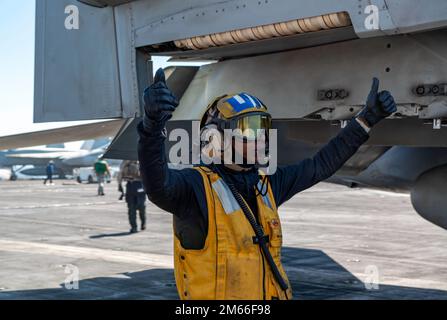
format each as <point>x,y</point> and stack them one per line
<point>227,199</point>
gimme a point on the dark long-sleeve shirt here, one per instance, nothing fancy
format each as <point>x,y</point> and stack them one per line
<point>182,192</point>
<point>50,169</point>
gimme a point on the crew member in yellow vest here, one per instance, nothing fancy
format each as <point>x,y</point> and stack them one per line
<point>227,231</point>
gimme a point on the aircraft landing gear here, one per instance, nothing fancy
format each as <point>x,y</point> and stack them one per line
<point>13,176</point>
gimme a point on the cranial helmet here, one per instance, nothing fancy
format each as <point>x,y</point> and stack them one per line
<point>241,111</point>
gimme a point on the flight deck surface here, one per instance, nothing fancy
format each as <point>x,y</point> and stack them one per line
<point>337,243</point>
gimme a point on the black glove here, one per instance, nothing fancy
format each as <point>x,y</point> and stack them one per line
<point>378,105</point>
<point>159,103</point>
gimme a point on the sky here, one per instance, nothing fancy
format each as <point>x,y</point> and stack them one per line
<point>17,20</point>
<point>16,66</point>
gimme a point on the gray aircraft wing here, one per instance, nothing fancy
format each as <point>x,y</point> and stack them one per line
<point>44,155</point>
<point>66,134</point>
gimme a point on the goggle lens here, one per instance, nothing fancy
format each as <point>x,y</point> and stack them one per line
<point>251,126</point>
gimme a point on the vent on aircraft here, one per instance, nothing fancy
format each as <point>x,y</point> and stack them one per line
<point>281,29</point>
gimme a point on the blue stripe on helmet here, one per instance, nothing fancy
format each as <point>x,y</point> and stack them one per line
<point>247,103</point>
<point>260,104</point>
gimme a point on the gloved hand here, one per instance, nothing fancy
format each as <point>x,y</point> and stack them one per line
<point>378,105</point>
<point>159,103</point>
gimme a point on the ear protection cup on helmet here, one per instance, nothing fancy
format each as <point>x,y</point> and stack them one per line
<point>209,145</point>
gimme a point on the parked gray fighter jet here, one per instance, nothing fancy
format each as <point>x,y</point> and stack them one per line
<point>65,159</point>
<point>310,61</point>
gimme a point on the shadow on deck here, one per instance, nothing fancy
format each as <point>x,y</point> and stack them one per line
<point>312,273</point>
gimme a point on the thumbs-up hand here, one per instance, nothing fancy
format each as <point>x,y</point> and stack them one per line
<point>371,101</point>
<point>159,101</point>
<point>379,105</point>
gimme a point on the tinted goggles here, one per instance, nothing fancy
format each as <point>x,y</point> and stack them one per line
<point>247,126</point>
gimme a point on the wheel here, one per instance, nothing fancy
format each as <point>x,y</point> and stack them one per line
<point>13,177</point>
<point>90,179</point>
<point>78,179</point>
